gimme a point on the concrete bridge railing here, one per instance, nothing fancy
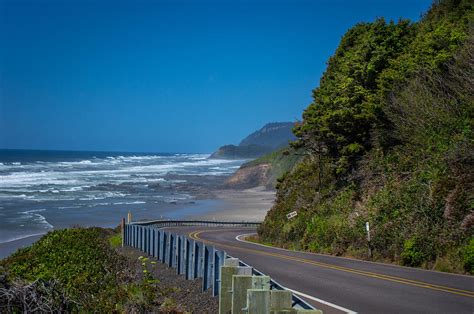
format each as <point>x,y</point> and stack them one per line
<point>229,278</point>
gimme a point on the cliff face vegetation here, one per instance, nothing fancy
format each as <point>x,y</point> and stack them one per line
<point>388,139</point>
<point>270,137</point>
<point>266,170</point>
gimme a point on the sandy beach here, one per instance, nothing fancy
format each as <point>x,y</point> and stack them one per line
<point>242,205</point>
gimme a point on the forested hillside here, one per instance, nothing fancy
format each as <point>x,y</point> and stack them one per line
<point>270,137</point>
<point>388,139</point>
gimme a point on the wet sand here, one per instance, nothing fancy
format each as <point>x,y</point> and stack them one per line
<point>8,248</point>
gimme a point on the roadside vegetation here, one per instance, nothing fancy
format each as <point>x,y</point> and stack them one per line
<point>388,140</point>
<point>84,270</point>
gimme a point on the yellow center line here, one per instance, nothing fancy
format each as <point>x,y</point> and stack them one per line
<point>195,235</point>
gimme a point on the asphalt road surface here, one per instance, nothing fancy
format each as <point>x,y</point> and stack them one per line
<point>338,285</point>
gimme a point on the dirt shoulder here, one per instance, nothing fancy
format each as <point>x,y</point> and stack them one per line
<point>179,295</point>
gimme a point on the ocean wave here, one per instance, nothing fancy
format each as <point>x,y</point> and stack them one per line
<point>33,211</point>
<point>130,203</point>
<point>102,196</point>
<point>31,217</point>
<point>75,188</point>
<point>27,178</point>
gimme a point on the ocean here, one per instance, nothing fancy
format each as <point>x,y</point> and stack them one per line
<point>45,190</point>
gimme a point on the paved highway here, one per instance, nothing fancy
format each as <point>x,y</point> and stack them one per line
<point>338,285</point>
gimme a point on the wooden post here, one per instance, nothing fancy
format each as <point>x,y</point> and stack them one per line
<point>280,300</point>
<point>225,293</point>
<point>129,217</point>
<point>258,301</point>
<point>240,285</point>
<point>122,227</point>
<point>367,227</point>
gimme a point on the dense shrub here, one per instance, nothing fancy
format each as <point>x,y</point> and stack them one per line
<point>73,270</point>
<point>468,256</point>
<point>388,140</point>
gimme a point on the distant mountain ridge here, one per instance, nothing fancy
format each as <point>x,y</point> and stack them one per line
<point>270,137</point>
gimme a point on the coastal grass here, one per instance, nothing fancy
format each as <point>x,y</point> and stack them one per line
<point>115,240</point>
<point>78,270</point>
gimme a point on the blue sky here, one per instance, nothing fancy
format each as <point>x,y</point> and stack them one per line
<point>165,76</point>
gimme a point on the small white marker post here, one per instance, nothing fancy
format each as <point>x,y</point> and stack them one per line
<point>291,215</point>
<point>367,227</point>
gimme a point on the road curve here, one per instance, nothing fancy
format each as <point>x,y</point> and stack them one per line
<point>338,285</point>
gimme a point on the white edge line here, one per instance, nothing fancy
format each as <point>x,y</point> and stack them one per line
<point>340,308</point>
<point>294,291</point>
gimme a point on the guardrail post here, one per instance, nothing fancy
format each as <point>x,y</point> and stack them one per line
<point>157,244</point>
<point>180,262</point>
<point>162,246</point>
<point>147,240</point>
<point>169,249</point>
<point>201,260</point>
<point>166,247</point>
<point>227,272</point>
<point>174,251</point>
<point>125,235</point>
<point>219,257</point>
<point>123,231</point>
<point>208,267</point>
<point>197,271</point>
<point>258,301</point>
<point>240,285</point>
<point>188,259</point>
<point>146,237</point>
<point>150,244</point>
<point>153,242</point>
<point>141,238</point>
<point>136,237</point>
<point>280,300</point>
<point>132,236</point>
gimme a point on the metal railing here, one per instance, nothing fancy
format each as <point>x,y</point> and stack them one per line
<point>191,258</point>
<point>203,223</point>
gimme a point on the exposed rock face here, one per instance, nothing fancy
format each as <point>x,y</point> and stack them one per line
<point>249,177</point>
